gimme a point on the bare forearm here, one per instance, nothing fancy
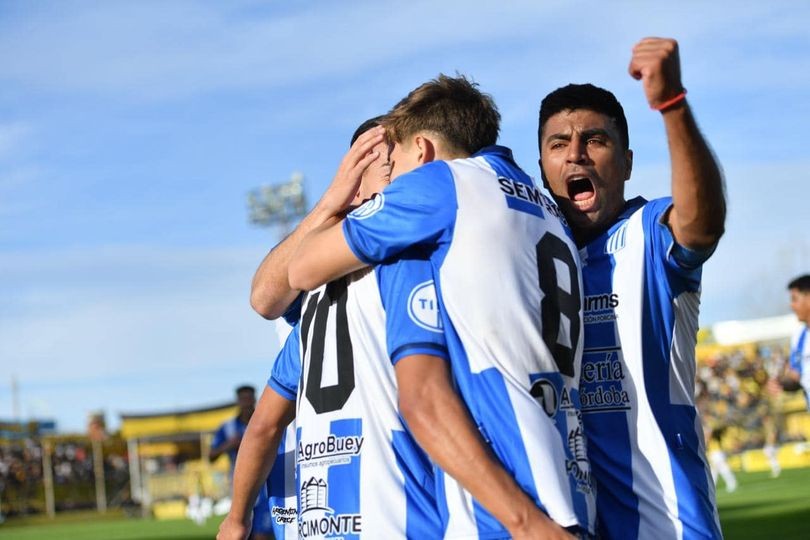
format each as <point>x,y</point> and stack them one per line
<point>457,449</point>
<point>253,464</point>
<point>322,256</point>
<point>442,426</point>
<point>270,293</point>
<point>699,206</point>
<point>258,451</point>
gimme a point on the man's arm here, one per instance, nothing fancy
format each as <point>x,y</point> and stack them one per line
<point>441,424</point>
<point>255,459</point>
<point>226,446</point>
<point>324,255</point>
<point>697,219</point>
<point>271,293</point>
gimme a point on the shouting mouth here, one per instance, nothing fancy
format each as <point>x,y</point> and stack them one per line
<point>581,192</point>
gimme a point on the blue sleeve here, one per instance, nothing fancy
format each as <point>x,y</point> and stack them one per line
<point>287,369</point>
<point>681,266</point>
<point>293,312</point>
<point>417,209</point>
<point>219,437</point>
<point>797,350</point>
<point>413,322</point>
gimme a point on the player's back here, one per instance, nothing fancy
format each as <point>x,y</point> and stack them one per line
<point>509,288</point>
<point>360,473</point>
<point>510,284</point>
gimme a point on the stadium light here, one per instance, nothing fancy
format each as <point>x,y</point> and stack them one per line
<point>278,204</point>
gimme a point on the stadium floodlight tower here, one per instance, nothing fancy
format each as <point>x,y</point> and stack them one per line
<point>278,204</point>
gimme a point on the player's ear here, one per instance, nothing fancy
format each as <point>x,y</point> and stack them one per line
<point>427,149</point>
<point>628,160</point>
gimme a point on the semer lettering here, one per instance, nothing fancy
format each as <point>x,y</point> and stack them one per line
<point>521,191</point>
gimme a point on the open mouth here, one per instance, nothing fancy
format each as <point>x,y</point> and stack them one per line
<point>580,189</point>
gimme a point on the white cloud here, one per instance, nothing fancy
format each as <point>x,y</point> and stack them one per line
<point>176,48</point>
<point>113,312</point>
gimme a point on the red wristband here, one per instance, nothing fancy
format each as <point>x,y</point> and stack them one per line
<point>670,102</point>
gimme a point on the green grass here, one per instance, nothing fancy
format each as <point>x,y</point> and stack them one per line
<point>762,507</point>
<point>114,526</point>
<point>765,507</point>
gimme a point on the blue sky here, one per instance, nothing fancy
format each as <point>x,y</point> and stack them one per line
<point>130,134</point>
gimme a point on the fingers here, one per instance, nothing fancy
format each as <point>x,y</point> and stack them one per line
<point>651,52</point>
<point>655,61</point>
<point>367,141</point>
<point>363,164</point>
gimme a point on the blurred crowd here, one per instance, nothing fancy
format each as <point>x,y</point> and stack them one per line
<point>21,475</point>
<point>739,409</point>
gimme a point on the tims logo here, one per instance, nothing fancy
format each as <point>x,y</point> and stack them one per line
<point>601,302</point>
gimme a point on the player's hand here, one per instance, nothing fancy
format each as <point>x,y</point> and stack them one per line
<point>233,529</point>
<point>341,192</point>
<point>655,62</point>
<point>540,527</point>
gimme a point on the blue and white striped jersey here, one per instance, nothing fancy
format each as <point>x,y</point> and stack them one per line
<point>800,359</point>
<point>360,473</point>
<point>282,488</point>
<point>509,284</point>
<point>638,377</point>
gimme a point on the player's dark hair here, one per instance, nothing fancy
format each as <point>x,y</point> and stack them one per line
<point>365,126</point>
<point>583,96</point>
<point>246,388</point>
<point>801,283</point>
<point>452,107</point>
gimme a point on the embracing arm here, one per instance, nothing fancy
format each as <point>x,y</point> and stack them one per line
<point>255,459</point>
<point>271,292</point>
<point>697,218</point>
<point>442,426</point>
<point>322,256</point>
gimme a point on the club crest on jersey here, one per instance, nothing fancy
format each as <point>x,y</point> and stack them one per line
<point>616,240</point>
<point>423,307</point>
<point>368,208</point>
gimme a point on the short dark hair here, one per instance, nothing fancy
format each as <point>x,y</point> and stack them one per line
<point>246,388</point>
<point>801,283</point>
<point>452,107</point>
<point>583,96</point>
<point>365,126</point>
